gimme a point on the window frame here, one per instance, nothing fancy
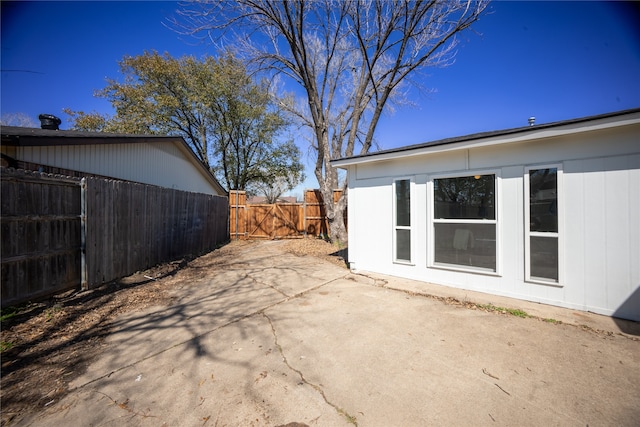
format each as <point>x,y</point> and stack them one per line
<point>432,221</point>
<point>410,227</point>
<point>559,235</point>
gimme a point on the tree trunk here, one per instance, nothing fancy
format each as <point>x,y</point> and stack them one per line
<point>337,228</point>
<point>335,215</point>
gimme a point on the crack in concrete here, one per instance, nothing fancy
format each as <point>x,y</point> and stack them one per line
<point>256,281</point>
<point>261,270</point>
<point>350,418</point>
<point>216,329</point>
<point>125,406</point>
<point>380,283</point>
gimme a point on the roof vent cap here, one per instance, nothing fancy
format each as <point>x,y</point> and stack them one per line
<point>48,121</point>
<point>532,121</point>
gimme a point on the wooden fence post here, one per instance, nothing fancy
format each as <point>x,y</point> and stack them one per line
<point>304,213</point>
<point>237,203</point>
<point>83,235</point>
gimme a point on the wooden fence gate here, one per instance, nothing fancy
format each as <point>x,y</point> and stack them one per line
<point>281,220</point>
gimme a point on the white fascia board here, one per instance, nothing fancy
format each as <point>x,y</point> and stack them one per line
<point>526,134</point>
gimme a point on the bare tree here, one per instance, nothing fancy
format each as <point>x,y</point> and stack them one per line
<point>18,119</point>
<point>273,190</point>
<point>350,57</point>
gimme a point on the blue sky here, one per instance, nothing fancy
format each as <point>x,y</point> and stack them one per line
<point>551,60</point>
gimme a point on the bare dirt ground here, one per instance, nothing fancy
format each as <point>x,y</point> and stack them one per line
<point>47,344</point>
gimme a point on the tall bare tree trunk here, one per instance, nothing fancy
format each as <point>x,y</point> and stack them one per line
<point>350,57</point>
<point>337,225</point>
<point>335,213</point>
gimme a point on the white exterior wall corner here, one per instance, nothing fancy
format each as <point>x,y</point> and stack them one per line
<point>601,229</point>
<point>352,226</point>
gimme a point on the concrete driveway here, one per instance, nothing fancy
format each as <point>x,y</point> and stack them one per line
<point>266,338</point>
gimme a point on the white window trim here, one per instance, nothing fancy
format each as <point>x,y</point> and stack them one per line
<point>527,228</point>
<point>411,228</point>
<point>431,263</point>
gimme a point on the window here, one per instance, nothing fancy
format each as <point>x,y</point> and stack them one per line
<point>542,225</point>
<point>402,220</point>
<point>465,221</point>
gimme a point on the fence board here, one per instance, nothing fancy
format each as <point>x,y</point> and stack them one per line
<point>140,226</point>
<point>40,226</point>
<point>277,221</point>
<point>129,227</point>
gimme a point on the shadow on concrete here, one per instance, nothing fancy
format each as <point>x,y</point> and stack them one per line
<point>630,309</point>
<point>343,255</point>
<point>60,334</point>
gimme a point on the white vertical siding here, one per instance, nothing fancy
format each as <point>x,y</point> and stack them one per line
<point>576,220</point>
<point>603,255</point>
<point>511,223</point>
<point>601,200</point>
<point>374,208</point>
<point>158,163</point>
<point>592,240</point>
<point>421,222</point>
<point>616,225</point>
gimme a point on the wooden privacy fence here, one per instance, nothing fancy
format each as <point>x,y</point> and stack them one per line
<point>133,226</point>
<point>41,228</point>
<point>61,233</point>
<point>281,220</point>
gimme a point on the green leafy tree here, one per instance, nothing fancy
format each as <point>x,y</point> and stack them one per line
<point>88,122</point>
<point>352,59</point>
<point>231,122</point>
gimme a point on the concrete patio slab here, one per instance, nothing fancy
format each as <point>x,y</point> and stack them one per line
<point>268,338</point>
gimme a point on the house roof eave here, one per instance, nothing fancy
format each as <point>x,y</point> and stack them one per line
<point>34,137</point>
<point>506,136</point>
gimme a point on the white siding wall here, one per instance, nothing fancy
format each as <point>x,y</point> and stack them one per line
<point>158,163</point>
<point>601,187</point>
<point>603,214</point>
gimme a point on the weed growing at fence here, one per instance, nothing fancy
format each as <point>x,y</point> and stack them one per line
<point>8,313</point>
<point>51,311</point>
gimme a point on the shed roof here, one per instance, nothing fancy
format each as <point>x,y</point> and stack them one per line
<point>35,137</point>
<point>499,137</point>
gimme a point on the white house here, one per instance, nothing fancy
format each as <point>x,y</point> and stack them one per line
<point>165,161</point>
<point>547,213</point>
